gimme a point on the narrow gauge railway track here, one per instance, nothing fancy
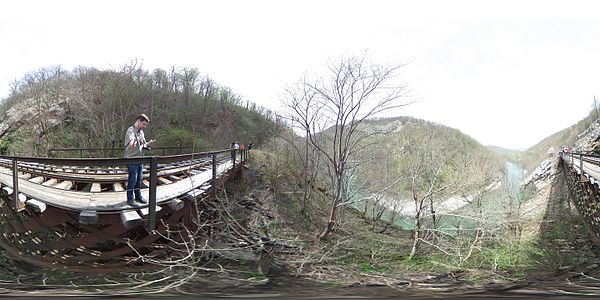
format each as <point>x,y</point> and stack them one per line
<point>72,213</point>
<point>37,172</point>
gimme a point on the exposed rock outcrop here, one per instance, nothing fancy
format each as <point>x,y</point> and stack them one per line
<point>588,139</point>
<point>542,175</point>
<point>27,114</point>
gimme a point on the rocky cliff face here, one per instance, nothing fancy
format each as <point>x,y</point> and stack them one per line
<point>588,139</point>
<point>545,172</point>
<point>27,114</point>
<point>542,175</point>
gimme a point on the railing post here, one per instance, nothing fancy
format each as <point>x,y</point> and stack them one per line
<point>214,175</point>
<point>581,166</point>
<point>15,184</point>
<point>152,200</point>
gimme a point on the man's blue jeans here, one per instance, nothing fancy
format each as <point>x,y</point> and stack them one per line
<point>134,181</point>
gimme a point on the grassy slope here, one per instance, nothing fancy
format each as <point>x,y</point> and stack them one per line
<point>357,246</point>
<point>358,253</point>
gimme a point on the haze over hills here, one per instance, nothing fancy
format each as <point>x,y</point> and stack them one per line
<point>503,150</point>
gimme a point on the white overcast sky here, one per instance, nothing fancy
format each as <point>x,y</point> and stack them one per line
<point>508,73</point>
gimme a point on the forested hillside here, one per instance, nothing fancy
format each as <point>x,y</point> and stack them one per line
<point>434,155</point>
<point>423,170</point>
<point>91,108</point>
<point>532,157</point>
<point>404,172</point>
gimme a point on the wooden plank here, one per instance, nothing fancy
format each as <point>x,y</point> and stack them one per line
<point>145,211</point>
<point>8,190</point>
<point>95,188</point>
<point>64,185</point>
<point>36,205</point>
<point>25,176</point>
<point>174,177</point>
<point>50,182</point>
<point>145,183</point>
<point>38,179</point>
<point>162,180</point>
<point>194,193</point>
<point>130,218</point>
<point>118,187</point>
<point>176,204</point>
<point>88,217</point>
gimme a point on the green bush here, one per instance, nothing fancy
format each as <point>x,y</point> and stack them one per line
<point>7,143</point>
<point>597,149</point>
<point>177,136</point>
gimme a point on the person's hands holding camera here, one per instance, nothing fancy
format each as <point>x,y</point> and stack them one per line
<point>148,143</point>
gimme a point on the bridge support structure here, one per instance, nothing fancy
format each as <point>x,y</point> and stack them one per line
<point>585,195</point>
<point>95,239</point>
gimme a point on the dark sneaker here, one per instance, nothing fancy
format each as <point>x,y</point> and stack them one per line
<point>141,200</point>
<point>132,203</point>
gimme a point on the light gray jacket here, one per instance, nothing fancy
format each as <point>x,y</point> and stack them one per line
<point>130,135</point>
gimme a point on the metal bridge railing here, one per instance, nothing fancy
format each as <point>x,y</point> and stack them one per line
<point>152,161</point>
<point>576,160</point>
<point>115,152</point>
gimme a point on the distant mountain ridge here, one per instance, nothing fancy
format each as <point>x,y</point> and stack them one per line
<point>503,150</point>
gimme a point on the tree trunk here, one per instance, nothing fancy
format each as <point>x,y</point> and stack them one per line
<point>416,237</point>
<point>337,199</point>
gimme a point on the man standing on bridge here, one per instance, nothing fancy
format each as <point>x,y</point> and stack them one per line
<point>135,142</point>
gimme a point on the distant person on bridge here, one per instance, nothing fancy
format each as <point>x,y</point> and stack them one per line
<point>135,142</point>
<point>235,146</point>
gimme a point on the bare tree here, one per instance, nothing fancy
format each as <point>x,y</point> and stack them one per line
<point>479,178</point>
<point>474,180</point>
<point>596,107</point>
<point>304,108</point>
<point>331,110</point>
<point>424,162</point>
